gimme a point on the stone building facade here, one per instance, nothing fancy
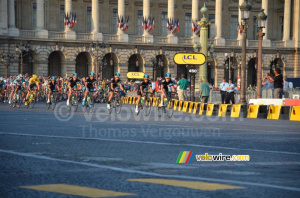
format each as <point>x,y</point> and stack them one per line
<point>54,49</point>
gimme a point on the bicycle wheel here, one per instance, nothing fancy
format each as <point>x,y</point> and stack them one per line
<point>19,100</point>
<point>53,102</point>
<point>147,107</point>
<point>118,105</point>
<point>75,103</point>
<point>170,109</point>
<point>109,110</point>
<point>48,105</point>
<point>32,102</point>
<point>90,105</point>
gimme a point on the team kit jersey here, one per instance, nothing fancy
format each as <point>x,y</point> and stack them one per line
<point>165,84</point>
<point>115,83</point>
<point>144,85</point>
<point>74,82</point>
<point>52,85</point>
<point>90,83</point>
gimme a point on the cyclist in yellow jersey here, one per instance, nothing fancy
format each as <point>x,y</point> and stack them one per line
<point>33,85</point>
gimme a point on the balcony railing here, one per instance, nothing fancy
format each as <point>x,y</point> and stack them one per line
<point>161,39</point>
<point>135,39</point>
<point>253,43</point>
<point>83,36</point>
<point>27,33</point>
<point>56,35</point>
<point>277,44</point>
<point>231,42</point>
<point>110,38</point>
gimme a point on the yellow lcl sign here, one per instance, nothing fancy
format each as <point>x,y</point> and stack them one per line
<point>135,75</point>
<point>189,58</point>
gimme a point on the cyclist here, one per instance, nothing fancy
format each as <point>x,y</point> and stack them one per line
<point>52,87</point>
<point>33,85</point>
<point>142,89</point>
<point>115,84</point>
<point>17,85</point>
<point>90,85</point>
<point>73,82</point>
<point>166,86</point>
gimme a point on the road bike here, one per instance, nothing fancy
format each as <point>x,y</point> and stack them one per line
<point>145,104</point>
<point>31,99</point>
<point>73,100</point>
<point>53,101</point>
<point>116,103</point>
<point>167,105</point>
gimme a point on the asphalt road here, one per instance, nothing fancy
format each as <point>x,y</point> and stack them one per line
<point>46,153</point>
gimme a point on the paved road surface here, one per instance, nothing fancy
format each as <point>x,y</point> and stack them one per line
<point>59,154</point>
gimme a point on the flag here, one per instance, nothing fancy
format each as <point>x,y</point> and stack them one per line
<point>178,27</point>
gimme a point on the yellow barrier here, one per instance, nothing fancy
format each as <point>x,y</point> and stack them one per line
<point>191,107</point>
<point>201,111</point>
<point>295,113</point>
<point>130,100</point>
<point>185,106</point>
<point>154,102</point>
<point>133,101</point>
<point>223,110</point>
<point>274,112</point>
<point>196,105</point>
<point>210,109</point>
<point>235,111</point>
<point>176,102</point>
<point>253,111</point>
<point>180,105</point>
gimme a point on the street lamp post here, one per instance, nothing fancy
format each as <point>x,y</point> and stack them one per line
<point>245,12</point>
<point>96,46</point>
<point>3,59</point>
<point>20,48</point>
<point>262,18</point>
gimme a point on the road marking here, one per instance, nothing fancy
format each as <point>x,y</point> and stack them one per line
<point>124,170</point>
<point>188,184</point>
<point>148,142</point>
<point>76,190</point>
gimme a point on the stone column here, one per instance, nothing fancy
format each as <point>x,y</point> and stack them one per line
<point>40,20</point>
<point>240,18</point>
<point>69,34</point>
<point>121,13</point>
<point>266,41</point>
<point>146,13</point>
<point>4,17</point>
<point>12,31</point>
<point>95,21</point>
<point>297,23</point>
<point>287,24</point>
<point>220,41</point>
<point>171,38</point>
<point>195,13</point>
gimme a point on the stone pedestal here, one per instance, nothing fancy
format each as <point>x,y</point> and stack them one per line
<point>289,43</point>
<point>42,34</point>
<point>97,36</point>
<point>241,41</point>
<point>13,32</point>
<point>172,39</point>
<point>266,43</point>
<point>70,35</point>
<point>148,38</point>
<point>123,38</point>
<point>220,41</point>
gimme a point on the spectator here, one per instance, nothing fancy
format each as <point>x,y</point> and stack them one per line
<point>278,83</point>
<point>183,83</point>
<point>223,87</point>
<point>203,91</point>
<point>286,84</point>
<point>267,82</point>
<point>230,93</point>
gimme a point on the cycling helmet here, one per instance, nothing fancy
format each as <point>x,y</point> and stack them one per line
<point>53,77</point>
<point>117,88</point>
<point>146,76</point>
<point>117,74</point>
<point>75,74</point>
<point>168,75</point>
<point>34,76</point>
<point>20,76</point>
<point>92,74</point>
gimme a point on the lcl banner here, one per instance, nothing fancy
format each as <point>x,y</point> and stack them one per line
<point>135,75</point>
<point>189,58</point>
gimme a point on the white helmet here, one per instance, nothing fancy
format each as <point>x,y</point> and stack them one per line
<point>20,76</point>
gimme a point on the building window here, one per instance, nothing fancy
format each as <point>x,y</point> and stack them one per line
<point>115,21</point>
<point>164,21</point>
<point>61,18</point>
<point>234,25</point>
<point>212,27</point>
<point>34,16</point>
<point>255,28</point>
<point>88,19</point>
<point>139,22</point>
<point>188,25</point>
<point>281,19</point>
